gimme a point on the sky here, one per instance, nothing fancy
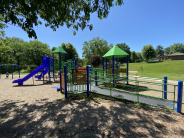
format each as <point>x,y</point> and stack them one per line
<point>136,23</point>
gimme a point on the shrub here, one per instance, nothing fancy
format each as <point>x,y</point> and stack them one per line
<point>137,60</point>
<point>95,60</point>
<point>28,70</point>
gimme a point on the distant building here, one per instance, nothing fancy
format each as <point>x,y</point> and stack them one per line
<point>176,56</point>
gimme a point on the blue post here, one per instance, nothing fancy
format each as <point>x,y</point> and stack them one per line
<point>66,57</point>
<point>106,66</point>
<point>127,68</point>
<point>165,87</point>
<point>65,78</point>
<point>60,81</point>
<point>72,76</point>
<point>180,94</point>
<point>75,63</point>
<point>87,81</point>
<point>49,67</point>
<point>103,66</point>
<point>113,69</point>
<point>12,70</point>
<point>59,61</point>
<point>116,66</point>
<point>96,78</point>
<point>53,66</point>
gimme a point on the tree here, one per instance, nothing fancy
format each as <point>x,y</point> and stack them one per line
<point>18,50</point>
<point>34,52</point>
<point>54,48</point>
<point>167,51</point>
<point>139,56</point>
<point>148,52</point>
<point>159,51</point>
<point>95,60</point>
<point>56,13</point>
<point>125,48</point>
<point>133,56</point>
<point>96,46</point>
<point>2,26</point>
<point>71,51</point>
<point>177,48</point>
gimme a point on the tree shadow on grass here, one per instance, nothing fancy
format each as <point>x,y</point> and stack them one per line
<point>79,117</point>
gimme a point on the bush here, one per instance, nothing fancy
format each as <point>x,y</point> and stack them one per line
<point>23,71</point>
<point>95,60</point>
<point>138,60</point>
<point>28,70</point>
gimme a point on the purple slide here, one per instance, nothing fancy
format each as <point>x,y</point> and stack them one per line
<point>38,69</point>
<point>45,72</point>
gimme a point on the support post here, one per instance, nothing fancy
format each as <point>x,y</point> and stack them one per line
<point>65,78</point>
<point>53,67</point>
<point>87,80</point>
<point>103,66</point>
<point>49,67</point>
<point>59,61</point>
<point>165,87</point>
<point>106,66</point>
<point>96,78</point>
<point>127,68</point>
<point>113,69</point>
<point>60,81</point>
<point>179,98</point>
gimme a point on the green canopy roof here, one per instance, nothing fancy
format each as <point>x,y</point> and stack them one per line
<point>59,50</point>
<point>116,52</point>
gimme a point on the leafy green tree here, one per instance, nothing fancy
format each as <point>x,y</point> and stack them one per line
<point>95,60</point>
<point>6,52</point>
<point>53,48</point>
<point>167,51</point>
<point>177,48</point>
<point>2,26</point>
<point>159,51</point>
<point>148,52</point>
<point>18,50</point>
<point>125,48</point>
<point>139,56</point>
<point>96,46</point>
<point>71,52</point>
<point>34,52</point>
<point>133,56</point>
<point>56,13</point>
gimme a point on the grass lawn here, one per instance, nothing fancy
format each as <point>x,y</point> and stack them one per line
<point>174,70</point>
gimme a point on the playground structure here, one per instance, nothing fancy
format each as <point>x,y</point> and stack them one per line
<point>12,66</point>
<point>106,80</point>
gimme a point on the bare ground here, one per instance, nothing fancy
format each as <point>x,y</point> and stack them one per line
<point>40,111</point>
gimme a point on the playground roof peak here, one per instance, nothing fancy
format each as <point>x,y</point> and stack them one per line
<point>59,50</point>
<point>116,52</point>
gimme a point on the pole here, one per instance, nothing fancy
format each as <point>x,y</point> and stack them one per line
<point>180,94</point>
<point>113,69</point>
<point>127,68</point>
<point>103,66</point>
<point>59,61</point>
<point>49,67</point>
<point>106,66</point>
<point>53,66</point>
<point>165,87</point>
<point>65,78</point>
<point>96,78</point>
<point>87,81</point>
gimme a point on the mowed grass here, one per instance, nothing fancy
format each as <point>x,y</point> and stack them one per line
<point>174,69</point>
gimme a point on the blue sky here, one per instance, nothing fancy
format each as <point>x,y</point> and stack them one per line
<point>136,23</point>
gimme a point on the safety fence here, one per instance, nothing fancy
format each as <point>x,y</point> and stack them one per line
<point>132,88</point>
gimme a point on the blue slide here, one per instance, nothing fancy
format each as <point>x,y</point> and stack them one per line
<point>44,64</point>
<point>45,72</point>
